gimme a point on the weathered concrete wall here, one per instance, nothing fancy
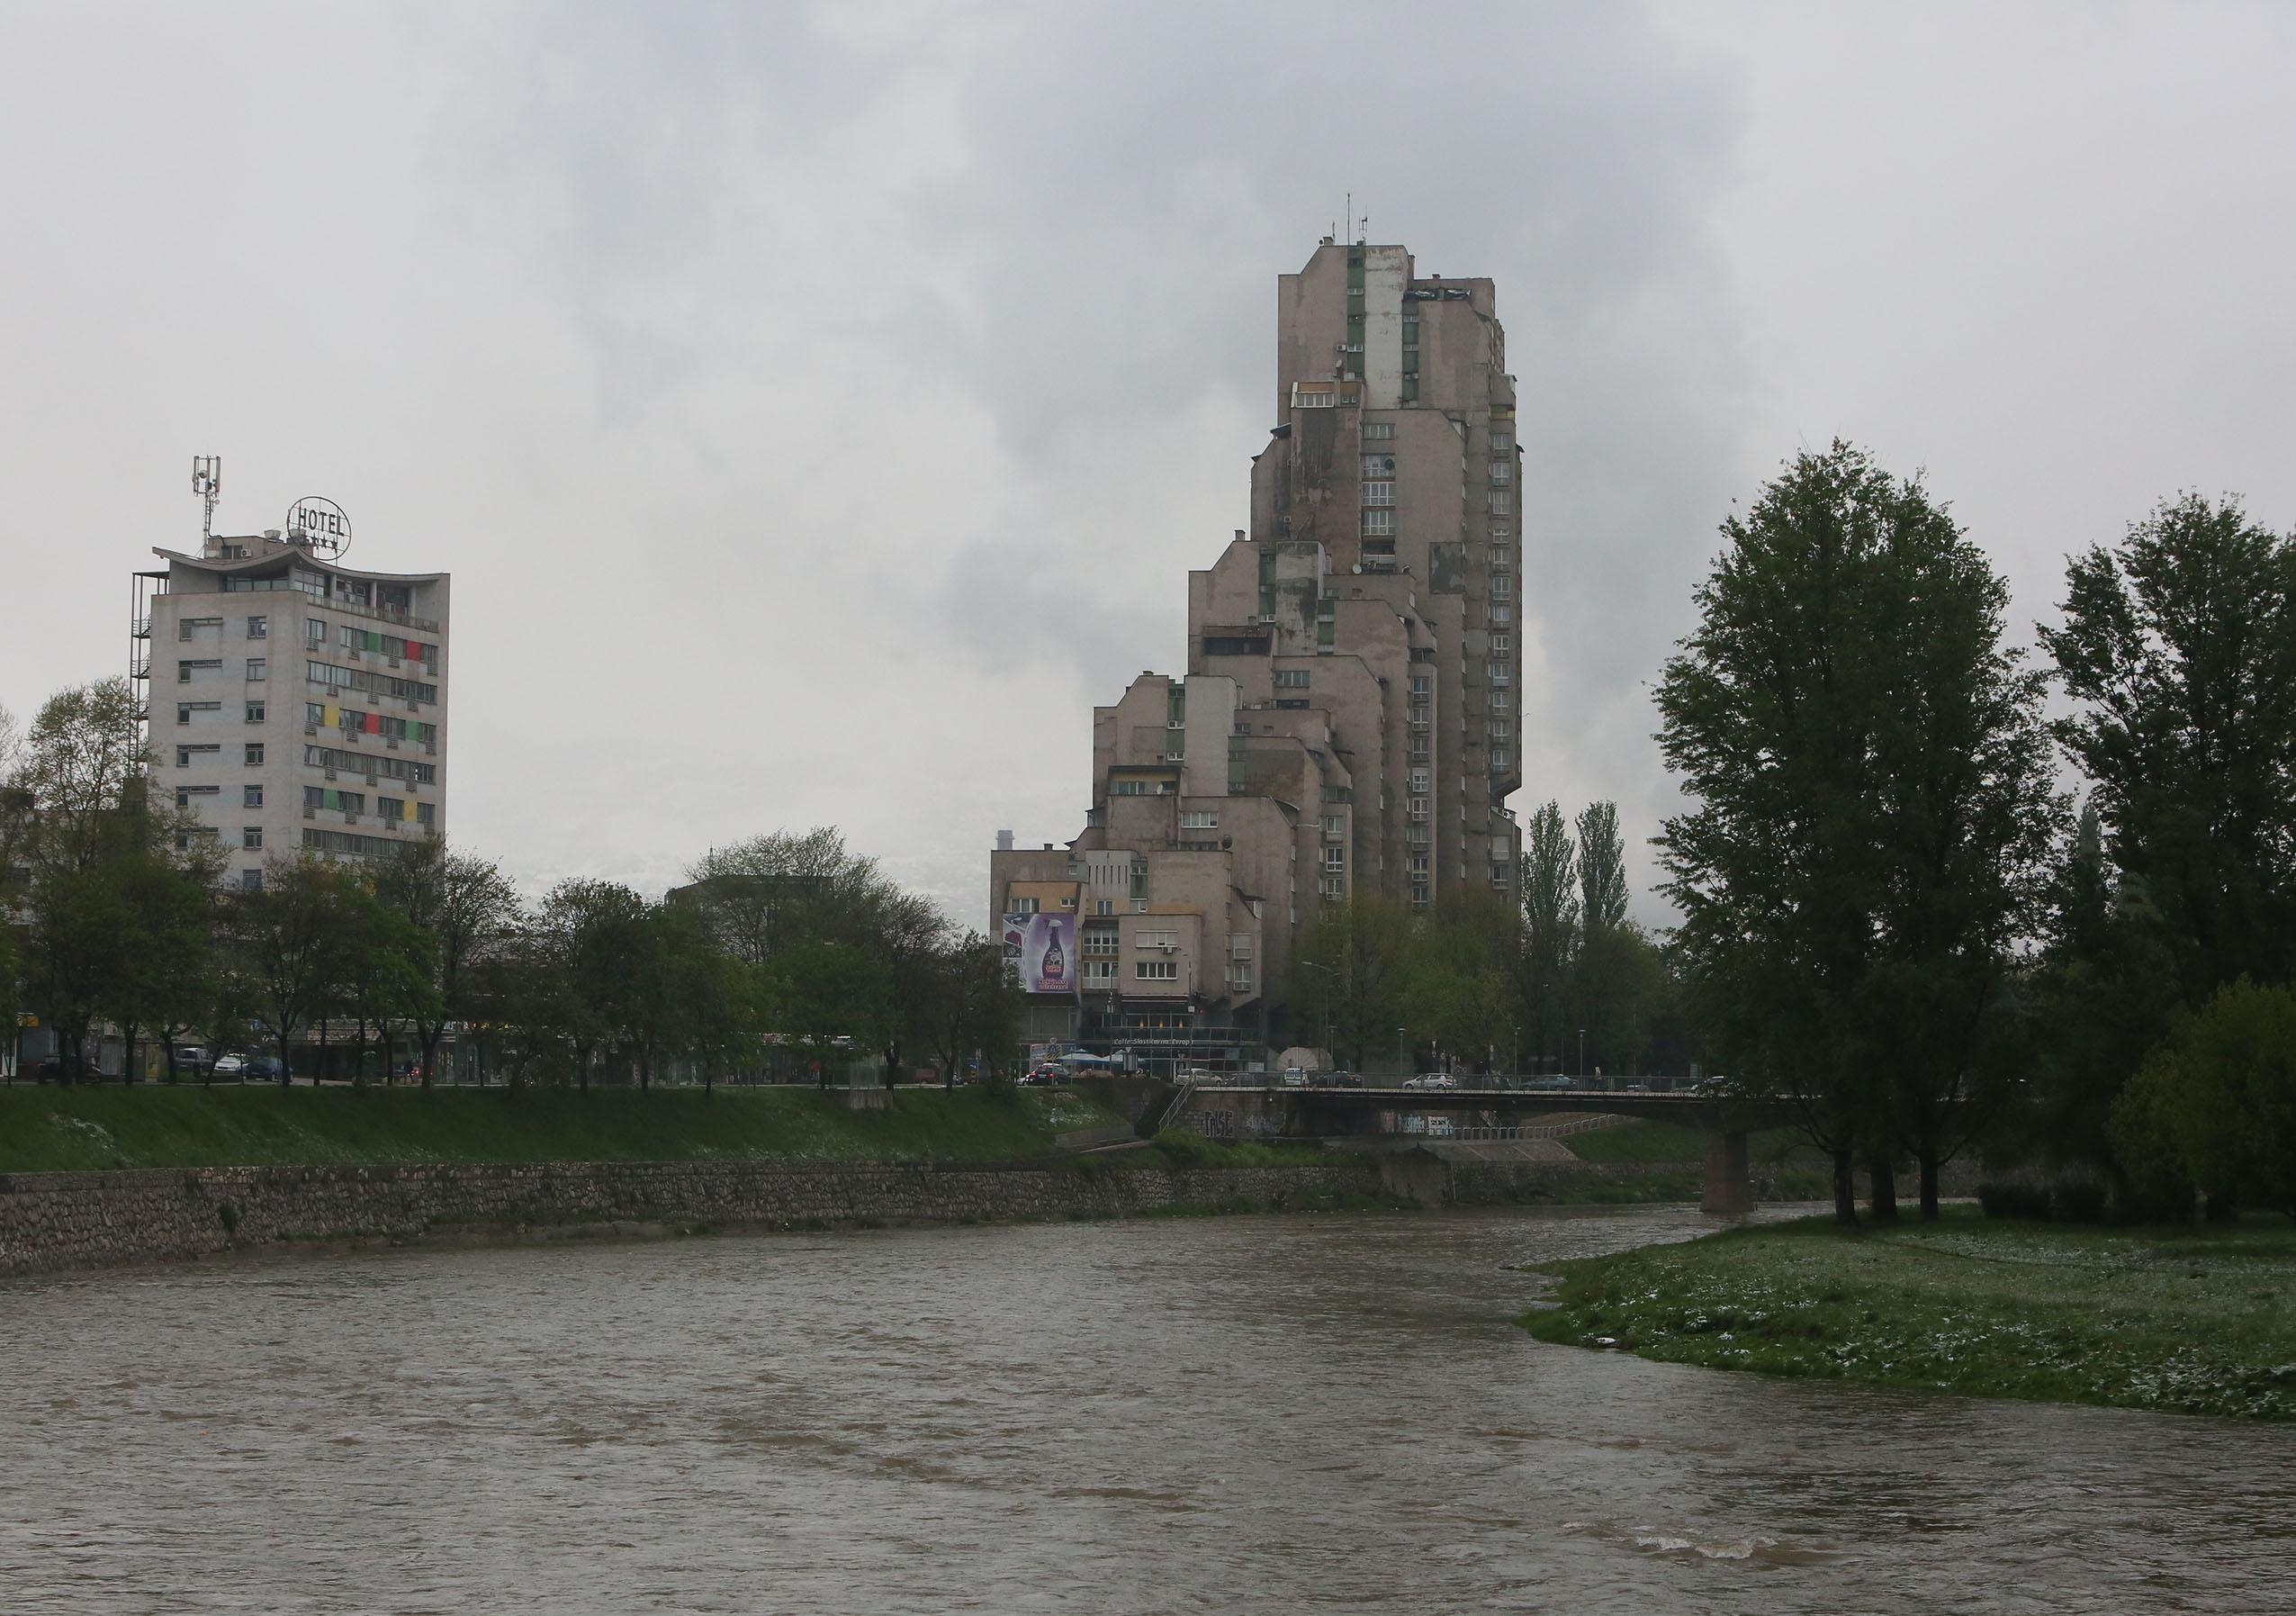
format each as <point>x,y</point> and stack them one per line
<point>55,1221</point>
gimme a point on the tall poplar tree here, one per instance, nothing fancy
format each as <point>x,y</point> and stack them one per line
<point>1870,808</point>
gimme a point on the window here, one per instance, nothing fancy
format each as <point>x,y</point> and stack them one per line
<point>1502,759</point>
<point>1100,939</point>
<point>1199,819</point>
<point>1103,906</point>
<point>183,794</point>
<point>328,797</point>
<point>1379,431</point>
<point>1100,971</point>
<point>1501,673</point>
<point>1502,700</point>
<point>1335,825</point>
<point>1498,729</point>
<point>1498,875</point>
<point>1239,978</point>
<point>1156,970</point>
<point>255,712</point>
<point>1502,586</point>
<point>1128,788</point>
<point>255,754</point>
<point>1502,443</point>
<point>1335,858</point>
<point>250,795</point>
<point>1502,558</point>
<point>258,668</point>
<point>1379,465</point>
<point>1500,473</point>
<point>258,628</point>
<point>1294,679</point>
<point>1020,905</point>
<point>426,813</point>
<point>360,762</point>
<point>184,709</point>
<point>1501,532</point>
<point>351,639</point>
<point>250,880</point>
<point>1502,613</point>
<point>1498,643</point>
<point>251,837</point>
<point>184,670</point>
<point>1422,686</point>
<point>1419,809</point>
<point>1157,939</point>
<point>1420,894</point>
<point>1419,862</point>
<point>1379,523</point>
<point>1331,886</point>
<point>390,808</point>
<point>1379,493</point>
<point>314,631</point>
<point>184,755</point>
<point>1502,503</point>
<point>1313,398</point>
<point>1419,778</point>
<point>186,627</point>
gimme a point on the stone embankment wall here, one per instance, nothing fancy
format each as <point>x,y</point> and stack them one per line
<point>57,1221</point>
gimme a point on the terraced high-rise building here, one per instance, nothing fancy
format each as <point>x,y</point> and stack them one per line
<point>1350,719</point>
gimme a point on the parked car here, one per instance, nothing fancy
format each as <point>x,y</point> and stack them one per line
<point>261,1069</point>
<point>230,1065</point>
<point>1295,1077</point>
<point>192,1058</point>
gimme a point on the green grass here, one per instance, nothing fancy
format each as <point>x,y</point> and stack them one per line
<point>67,1129</point>
<point>1179,1148</point>
<point>2195,1321</point>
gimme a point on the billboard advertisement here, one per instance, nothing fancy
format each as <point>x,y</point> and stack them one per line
<point>1040,950</point>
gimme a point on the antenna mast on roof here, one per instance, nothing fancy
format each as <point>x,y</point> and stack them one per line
<point>207,483</point>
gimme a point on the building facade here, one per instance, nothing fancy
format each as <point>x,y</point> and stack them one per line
<point>294,704</point>
<point>1350,718</point>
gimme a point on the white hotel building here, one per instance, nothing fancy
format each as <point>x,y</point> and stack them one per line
<point>294,704</point>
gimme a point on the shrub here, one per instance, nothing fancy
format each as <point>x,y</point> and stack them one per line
<point>2079,1201</point>
<point>2215,1104</point>
<point>2014,1200</point>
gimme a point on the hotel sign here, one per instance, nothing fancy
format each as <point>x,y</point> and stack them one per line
<point>326,531</point>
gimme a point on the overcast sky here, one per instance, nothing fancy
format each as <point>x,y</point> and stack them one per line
<point>819,408</point>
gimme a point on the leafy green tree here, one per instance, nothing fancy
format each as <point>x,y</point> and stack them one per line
<point>583,940</point>
<point>1870,808</point>
<point>1602,867</point>
<point>970,1002</point>
<point>2180,645</point>
<point>1550,885</point>
<point>467,909</point>
<point>2215,1104</point>
<point>828,991</point>
<point>389,968</point>
<point>291,937</point>
<point>1350,966</point>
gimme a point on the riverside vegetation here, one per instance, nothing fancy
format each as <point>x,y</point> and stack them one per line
<point>2197,1320</point>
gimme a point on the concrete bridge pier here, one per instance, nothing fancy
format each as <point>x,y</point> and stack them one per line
<point>1729,1190</point>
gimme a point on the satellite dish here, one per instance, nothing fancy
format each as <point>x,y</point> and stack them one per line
<point>319,527</point>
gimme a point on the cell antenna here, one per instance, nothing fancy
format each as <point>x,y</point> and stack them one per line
<point>207,483</point>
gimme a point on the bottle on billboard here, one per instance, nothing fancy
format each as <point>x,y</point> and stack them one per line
<point>1056,968</point>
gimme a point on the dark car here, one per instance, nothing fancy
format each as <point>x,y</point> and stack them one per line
<point>261,1069</point>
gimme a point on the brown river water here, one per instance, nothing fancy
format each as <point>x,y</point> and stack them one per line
<point>1236,1414</point>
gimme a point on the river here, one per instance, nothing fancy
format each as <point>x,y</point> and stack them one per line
<point>1235,1415</point>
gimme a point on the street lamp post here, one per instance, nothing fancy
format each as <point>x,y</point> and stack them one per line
<point>1582,1054</point>
<point>1514,1051</point>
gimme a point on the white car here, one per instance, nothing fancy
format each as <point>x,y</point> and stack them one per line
<point>1295,1077</point>
<point>230,1066</point>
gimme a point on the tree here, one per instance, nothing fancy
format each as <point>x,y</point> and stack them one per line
<point>825,992</point>
<point>970,1002</point>
<point>2215,1104</point>
<point>1353,961</point>
<point>1602,867</point>
<point>2181,647</point>
<point>583,940</point>
<point>1550,922</point>
<point>389,968</point>
<point>466,908</point>
<point>1870,808</point>
<point>291,937</point>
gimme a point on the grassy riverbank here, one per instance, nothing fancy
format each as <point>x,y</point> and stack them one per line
<point>44,1130</point>
<point>2196,1321</point>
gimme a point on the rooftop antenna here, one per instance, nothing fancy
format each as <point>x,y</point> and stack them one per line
<point>1351,209</point>
<point>207,483</point>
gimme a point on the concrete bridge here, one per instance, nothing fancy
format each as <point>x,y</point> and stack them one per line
<point>1224,1111</point>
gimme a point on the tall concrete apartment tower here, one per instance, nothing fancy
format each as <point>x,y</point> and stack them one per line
<point>1350,719</point>
<point>294,704</point>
